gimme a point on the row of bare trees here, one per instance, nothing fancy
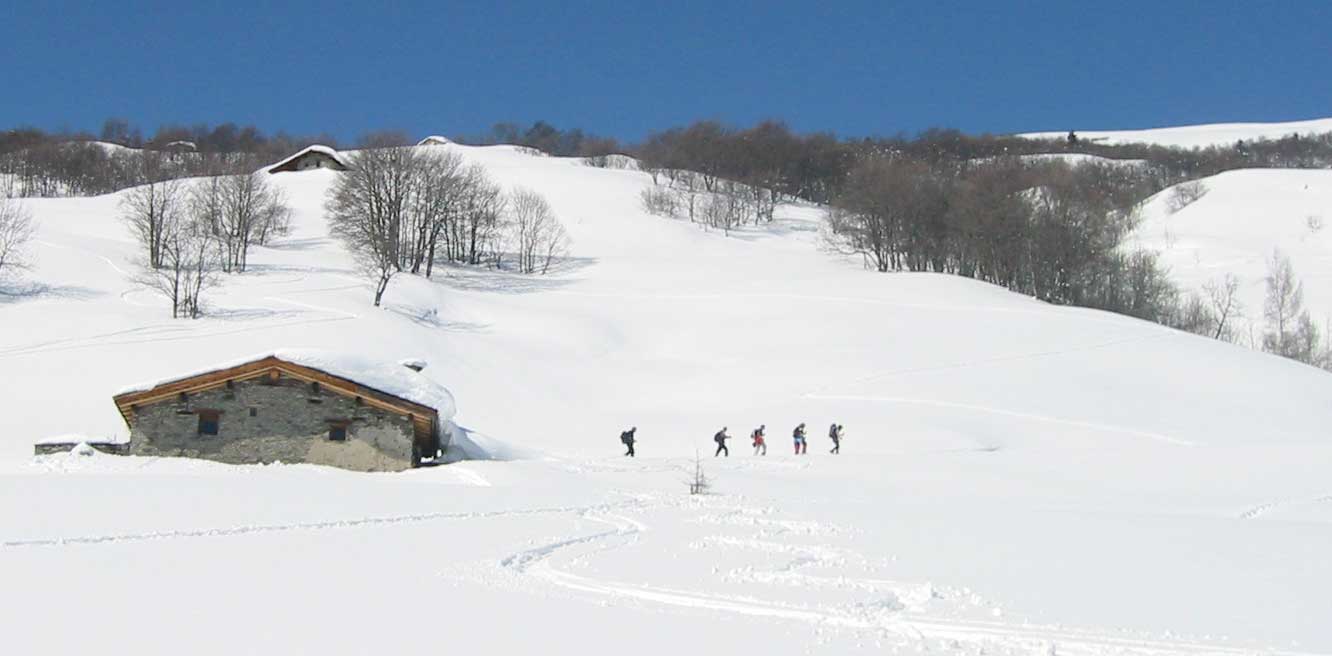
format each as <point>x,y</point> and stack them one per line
<point>724,204</point>
<point>1048,230</point>
<point>86,169</point>
<point>401,209</point>
<point>190,232</point>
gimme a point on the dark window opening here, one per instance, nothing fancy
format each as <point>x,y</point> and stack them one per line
<point>209,420</point>
<point>314,387</point>
<point>254,412</point>
<point>337,432</point>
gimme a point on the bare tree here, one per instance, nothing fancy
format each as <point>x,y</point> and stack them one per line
<point>477,228</point>
<point>536,234</point>
<point>699,483</point>
<point>368,207</point>
<point>246,207</point>
<point>1282,305</point>
<point>441,191</point>
<point>1290,331</point>
<point>16,230</point>
<point>148,209</point>
<point>187,266</point>
<point>725,208</point>
<point>1185,194</point>
<point>1226,306</point>
<point>660,202</point>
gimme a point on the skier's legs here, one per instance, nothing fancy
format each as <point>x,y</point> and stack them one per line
<point>720,446</point>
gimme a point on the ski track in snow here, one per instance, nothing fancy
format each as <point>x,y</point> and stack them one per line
<point>1007,413</point>
<point>99,256</point>
<point>298,526</point>
<point>1264,508</point>
<point>99,341</point>
<point>916,631</point>
<point>1003,359</point>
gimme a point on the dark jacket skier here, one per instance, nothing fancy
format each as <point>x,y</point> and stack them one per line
<point>799,436</point>
<point>835,434</point>
<point>627,438</point>
<point>720,438</point>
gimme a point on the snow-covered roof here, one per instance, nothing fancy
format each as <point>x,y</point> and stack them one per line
<point>387,377</point>
<point>434,140</point>
<point>315,148</point>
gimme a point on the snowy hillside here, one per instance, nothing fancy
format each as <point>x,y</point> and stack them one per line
<point>1191,136</point>
<point>1235,226</point>
<point>1017,477</point>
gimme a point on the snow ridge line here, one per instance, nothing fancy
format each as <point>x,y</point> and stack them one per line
<point>300,526</point>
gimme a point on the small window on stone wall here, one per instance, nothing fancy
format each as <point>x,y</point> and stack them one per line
<point>337,432</point>
<point>209,422</point>
<point>254,412</point>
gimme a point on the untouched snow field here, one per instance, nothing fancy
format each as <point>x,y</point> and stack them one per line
<point>1196,136</point>
<point>1236,225</point>
<point>1016,478</point>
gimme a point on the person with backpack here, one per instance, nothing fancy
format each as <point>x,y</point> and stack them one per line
<point>760,444</point>
<point>799,436</point>
<point>627,439</point>
<point>835,434</point>
<point>721,438</point>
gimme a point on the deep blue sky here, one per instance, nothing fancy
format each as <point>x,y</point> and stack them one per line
<point>625,68</point>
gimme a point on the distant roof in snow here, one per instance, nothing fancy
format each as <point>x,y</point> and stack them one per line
<point>309,150</point>
<point>434,140</point>
<point>386,377</point>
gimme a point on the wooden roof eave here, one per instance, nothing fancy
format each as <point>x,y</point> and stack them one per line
<point>263,366</point>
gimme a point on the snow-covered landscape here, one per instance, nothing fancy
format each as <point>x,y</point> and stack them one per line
<point>1016,477</point>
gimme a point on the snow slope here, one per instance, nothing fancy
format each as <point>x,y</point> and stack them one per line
<point>1193,136</point>
<point>1234,228</point>
<point>1016,477</point>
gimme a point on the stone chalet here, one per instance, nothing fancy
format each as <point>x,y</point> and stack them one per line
<point>295,406</point>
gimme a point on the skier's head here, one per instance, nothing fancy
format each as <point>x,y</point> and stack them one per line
<point>762,426</point>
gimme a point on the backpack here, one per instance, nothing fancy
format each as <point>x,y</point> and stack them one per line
<point>719,437</point>
<point>626,437</point>
<point>832,431</point>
